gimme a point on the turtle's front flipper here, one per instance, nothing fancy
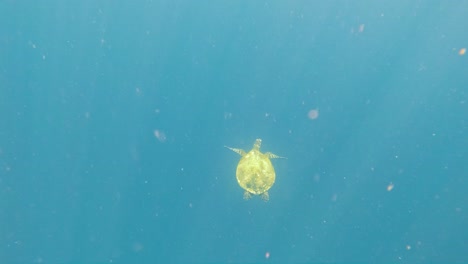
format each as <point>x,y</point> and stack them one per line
<point>265,196</point>
<point>238,151</point>
<point>273,156</point>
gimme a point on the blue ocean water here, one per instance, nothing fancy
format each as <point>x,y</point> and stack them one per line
<point>114,117</point>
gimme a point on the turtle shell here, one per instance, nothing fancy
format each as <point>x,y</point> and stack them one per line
<point>255,173</point>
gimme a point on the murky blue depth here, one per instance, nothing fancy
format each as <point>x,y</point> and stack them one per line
<point>114,116</point>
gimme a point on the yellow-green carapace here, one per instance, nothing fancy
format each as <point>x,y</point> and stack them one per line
<point>255,173</point>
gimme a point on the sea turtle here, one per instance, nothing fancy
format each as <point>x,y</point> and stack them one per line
<point>255,173</point>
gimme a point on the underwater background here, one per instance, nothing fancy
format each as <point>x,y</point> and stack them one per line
<point>114,116</point>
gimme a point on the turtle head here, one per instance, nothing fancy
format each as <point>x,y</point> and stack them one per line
<point>257,144</point>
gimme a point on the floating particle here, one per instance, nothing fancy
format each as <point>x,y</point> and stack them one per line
<point>462,51</point>
<point>334,197</point>
<point>227,115</point>
<point>160,135</point>
<point>316,177</point>
<point>361,28</point>
<point>267,255</point>
<point>138,91</point>
<point>137,247</point>
<point>313,114</point>
<point>390,187</point>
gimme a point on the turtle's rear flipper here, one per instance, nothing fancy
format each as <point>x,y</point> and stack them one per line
<point>247,195</point>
